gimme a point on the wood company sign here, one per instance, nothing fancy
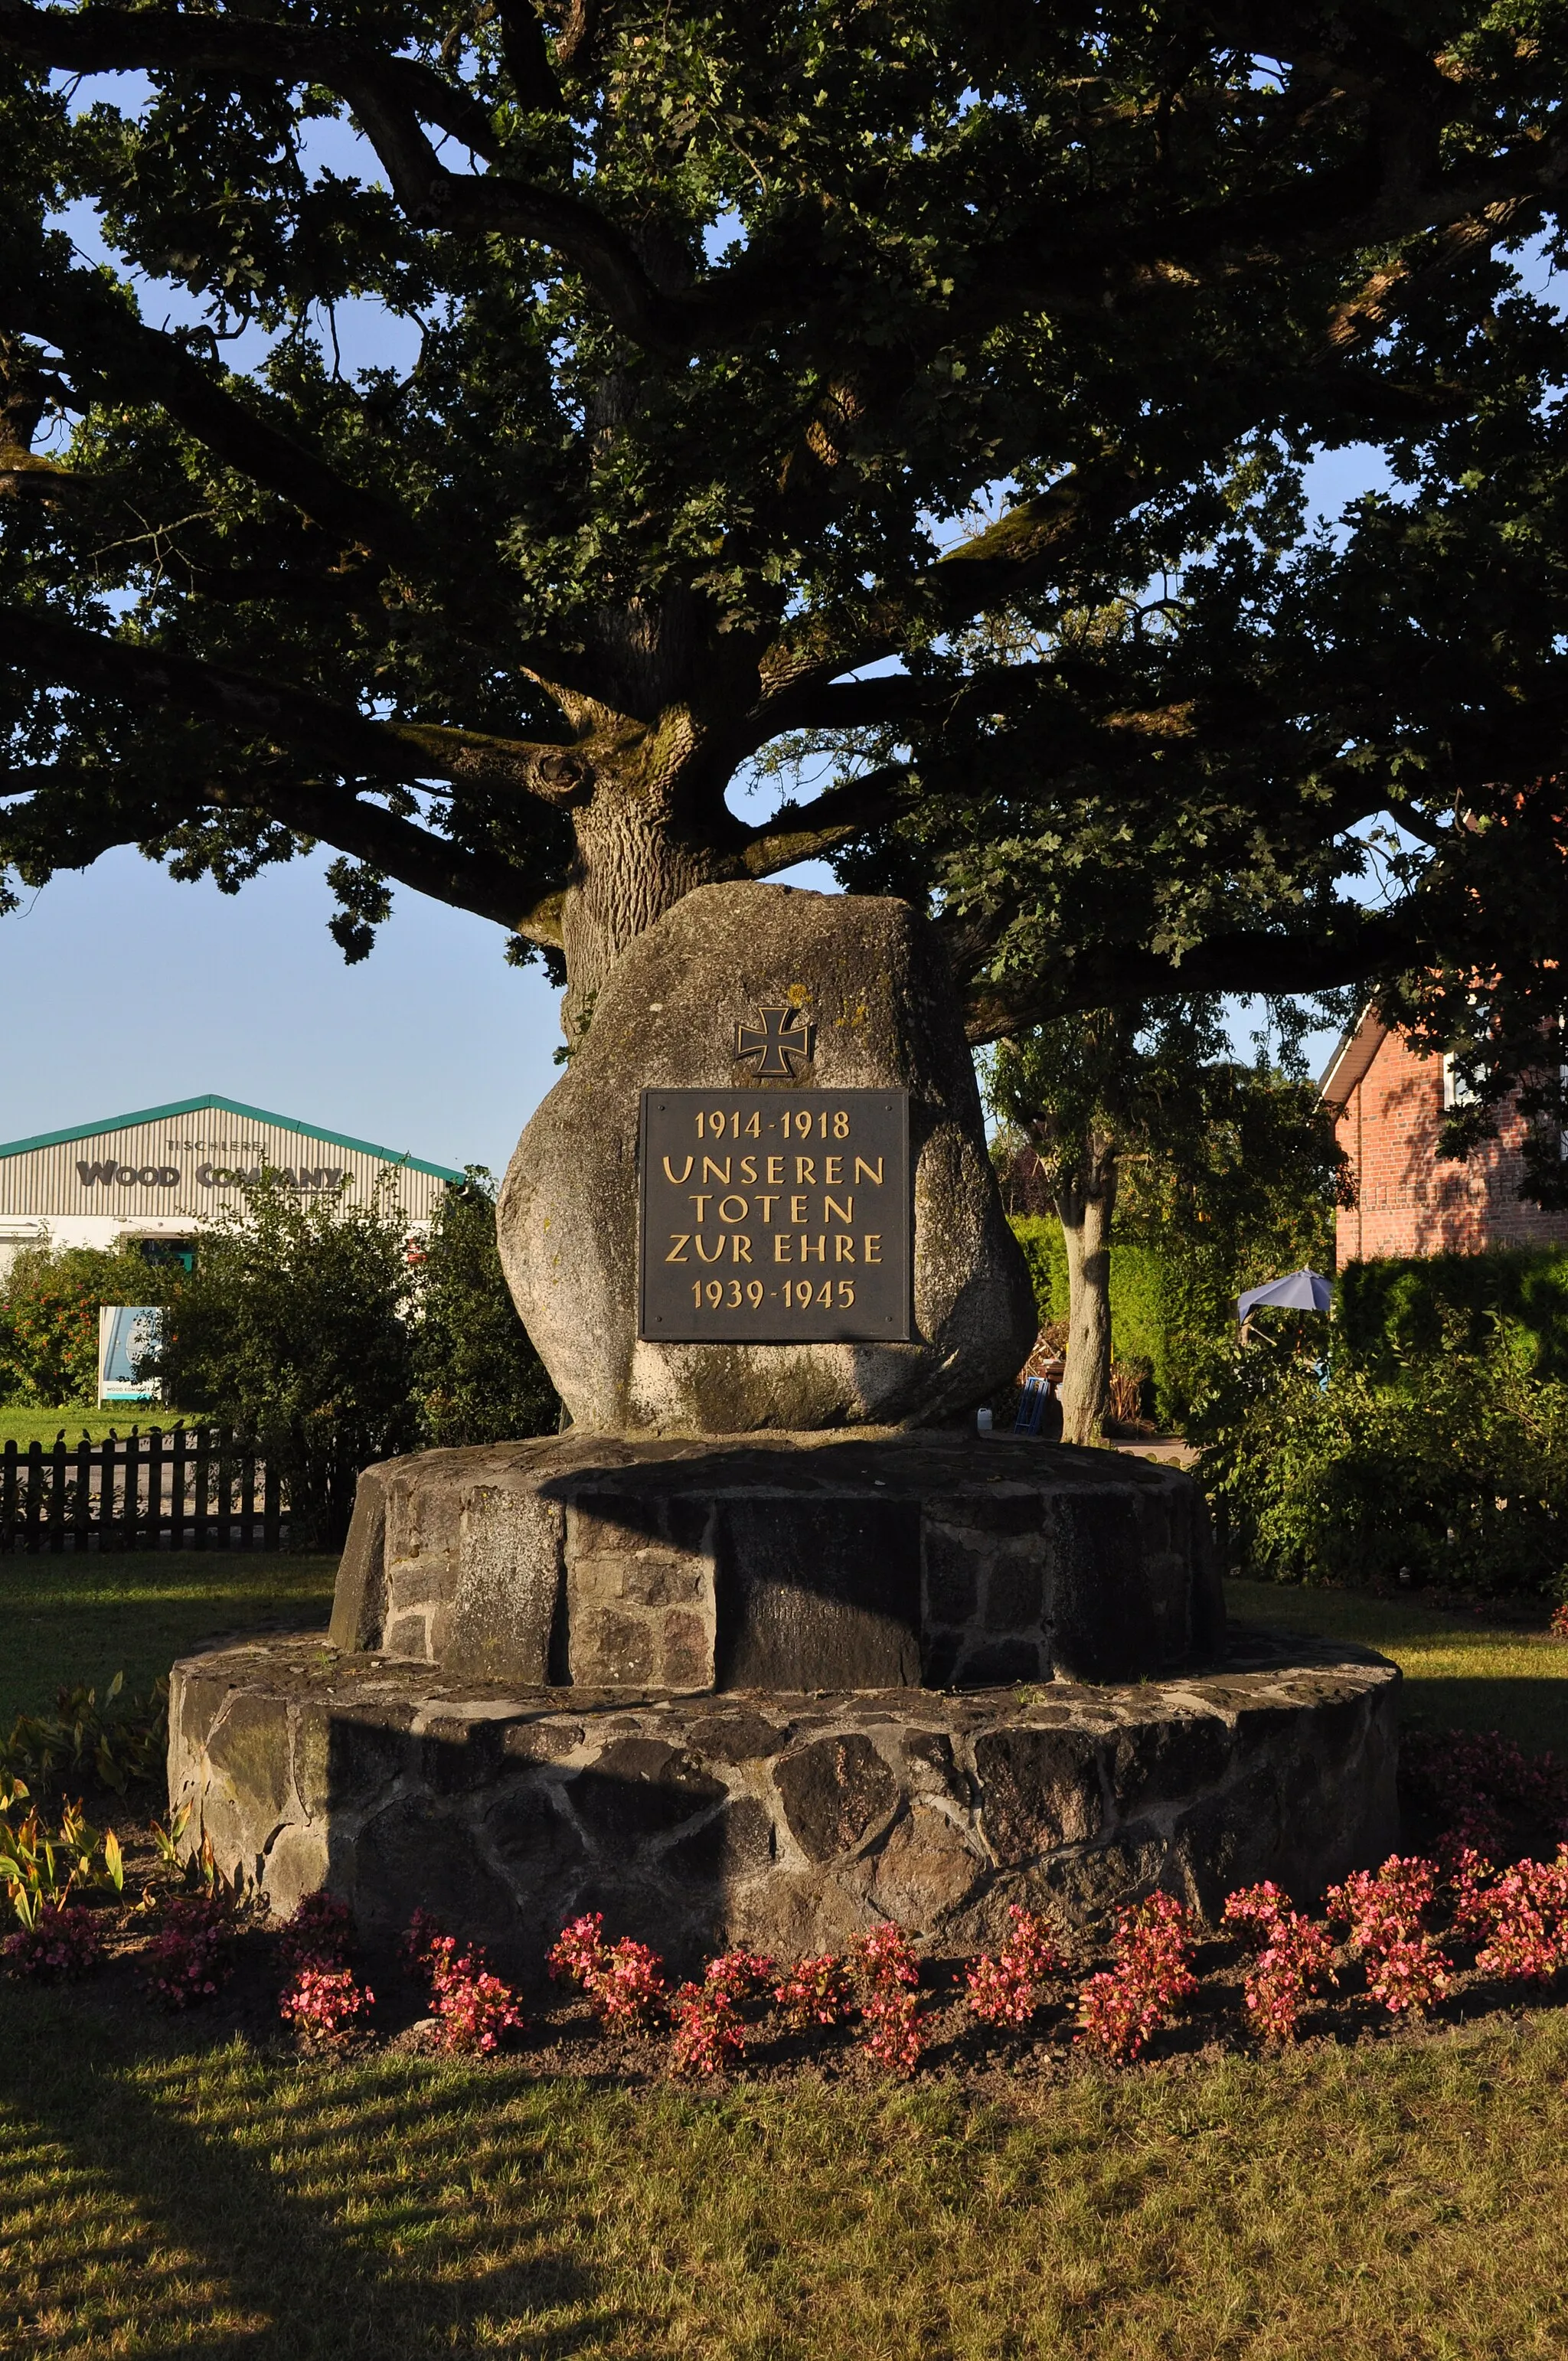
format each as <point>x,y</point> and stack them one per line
<point>174,1163</point>
<point>776,1216</point>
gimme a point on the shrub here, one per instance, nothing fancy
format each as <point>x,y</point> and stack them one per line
<point>1519,1915</point>
<point>322,1996</point>
<point>1476,1783</point>
<point>187,1958</point>
<point>1399,1310</point>
<point>707,2031</point>
<point>1292,1958</point>
<point>891,2028</point>
<point>40,1865</point>
<point>1457,1475</point>
<point>293,1328</point>
<point>319,1933</point>
<point>325,2002</point>
<point>1006,1990</point>
<point>115,1744</point>
<point>1120,2009</point>
<point>471,2005</point>
<point>49,1318</point>
<point>477,1377</point>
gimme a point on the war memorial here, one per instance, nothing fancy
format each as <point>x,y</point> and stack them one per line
<point>769,1643</point>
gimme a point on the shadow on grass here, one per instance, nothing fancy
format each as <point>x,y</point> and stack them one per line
<point>71,1619</point>
<point>1533,1711</point>
<point>263,2209</point>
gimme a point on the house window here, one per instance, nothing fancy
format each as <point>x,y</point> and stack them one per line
<point>1456,1091</point>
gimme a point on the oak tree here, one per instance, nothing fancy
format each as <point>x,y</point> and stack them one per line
<point>914,390</point>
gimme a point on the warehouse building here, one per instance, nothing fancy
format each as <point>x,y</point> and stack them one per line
<point>159,1174</point>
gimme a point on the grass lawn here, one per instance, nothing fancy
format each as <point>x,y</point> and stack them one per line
<point>1402,2199</point>
<point>84,1619</point>
<point>1460,1672</point>
<point>24,1426</point>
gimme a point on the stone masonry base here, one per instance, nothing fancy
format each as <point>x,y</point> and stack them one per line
<point>786,1822</point>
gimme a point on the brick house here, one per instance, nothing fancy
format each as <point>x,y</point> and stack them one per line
<point>1389,1100</point>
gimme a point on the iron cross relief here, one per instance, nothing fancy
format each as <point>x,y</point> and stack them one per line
<point>782,1044</point>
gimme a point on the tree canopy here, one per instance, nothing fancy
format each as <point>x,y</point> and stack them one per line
<point>914,395</point>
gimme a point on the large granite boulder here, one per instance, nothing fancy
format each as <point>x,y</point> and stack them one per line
<point>867,973</point>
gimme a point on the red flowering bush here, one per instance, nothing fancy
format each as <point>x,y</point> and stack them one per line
<point>1384,1909</point>
<point>325,2002</point>
<point>188,1958</point>
<point>709,2031</point>
<point>323,1997</point>
<point>1475,1782</point>
<point>417,1942</point>
<point>1292,1961</point>
<point>740,1976</point>
<point>625,1979</point>
<point>1119,2008</point>
<point>1519,1915</point>
<point>470,2003</point>
<point>578,1951</point>
<point>816,1991</point>
<point>62,1942</point>
<point>1006,1990</point>
<point>1558,1627</point>
<point>892,2029</point>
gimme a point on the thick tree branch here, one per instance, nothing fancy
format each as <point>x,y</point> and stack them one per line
<point>44,645</point>
<point>112,353</point>
<point>1351,948</point>
<point>807,831</point>
<point>491,888</point>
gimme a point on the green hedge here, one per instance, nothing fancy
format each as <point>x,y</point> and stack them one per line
<point>1395,1309</point>
<point>1173,1312</point>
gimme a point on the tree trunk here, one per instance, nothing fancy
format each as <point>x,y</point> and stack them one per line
<point>1086,1200</point>
<point>630,868</point>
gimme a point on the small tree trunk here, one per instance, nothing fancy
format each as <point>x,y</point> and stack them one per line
<point>1086,1200</point>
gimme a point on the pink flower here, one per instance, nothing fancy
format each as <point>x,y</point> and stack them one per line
<point>1406,1970</point>
<point>1292,1960</point>
<point>815,1992</point>
<point>1120,2009</point>
<point>1006,1990</point>
<point>324,2000</point>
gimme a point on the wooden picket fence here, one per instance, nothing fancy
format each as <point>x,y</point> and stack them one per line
<point>189,1487</point>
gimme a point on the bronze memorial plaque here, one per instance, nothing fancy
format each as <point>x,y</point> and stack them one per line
<point>770,1217</point>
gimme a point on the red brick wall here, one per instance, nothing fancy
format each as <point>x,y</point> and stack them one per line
<point>1407,1202</point>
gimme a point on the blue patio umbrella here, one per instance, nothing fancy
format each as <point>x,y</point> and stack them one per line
<point>1304,1291</point>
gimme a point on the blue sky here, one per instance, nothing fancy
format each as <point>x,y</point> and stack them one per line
<point>121,989</point>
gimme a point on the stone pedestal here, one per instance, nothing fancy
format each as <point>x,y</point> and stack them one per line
<point>788,1562</point>
<point>778,1820</point>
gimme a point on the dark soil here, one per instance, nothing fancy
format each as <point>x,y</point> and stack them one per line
<point>564,2037</point>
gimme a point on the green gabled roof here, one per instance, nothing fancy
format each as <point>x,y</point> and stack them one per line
<point>226,1106</point>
